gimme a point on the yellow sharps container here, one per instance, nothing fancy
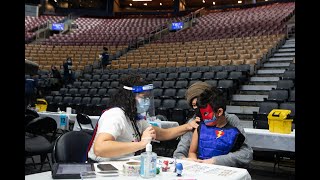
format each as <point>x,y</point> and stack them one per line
<point>41,105</point>
<point>278,122</point>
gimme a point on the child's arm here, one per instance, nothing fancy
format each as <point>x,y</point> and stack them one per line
<point>194,146</point>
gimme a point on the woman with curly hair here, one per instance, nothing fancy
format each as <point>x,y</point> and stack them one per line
<point>123,130</point>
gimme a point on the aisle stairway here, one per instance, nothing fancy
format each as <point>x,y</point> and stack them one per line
<point>251,94</point>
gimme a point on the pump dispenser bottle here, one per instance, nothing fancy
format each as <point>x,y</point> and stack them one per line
<point>148,164</point>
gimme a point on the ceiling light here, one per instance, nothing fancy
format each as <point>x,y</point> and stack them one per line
<point>203,1</point>
<point>239,2</point>
<point>160,4</point>
<point>145,4</point>
<point>130,4</point>
<point>214,3</point>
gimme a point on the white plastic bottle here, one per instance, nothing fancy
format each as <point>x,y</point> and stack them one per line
<point>148,164</point>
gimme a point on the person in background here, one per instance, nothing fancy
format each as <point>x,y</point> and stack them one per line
<point>67,71</point>
<point>104,57</point>
<point>55,72</point>
<point>30,88</point>
<point>57,79</point>
<point>241,158</point>
<point>123,129</point>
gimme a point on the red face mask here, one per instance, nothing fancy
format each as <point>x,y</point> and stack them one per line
<point>208,115</point>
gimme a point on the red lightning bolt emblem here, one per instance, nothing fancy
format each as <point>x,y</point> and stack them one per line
<point>219,133</point>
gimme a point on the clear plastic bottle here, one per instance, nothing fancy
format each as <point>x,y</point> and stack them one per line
<point>148,164</point>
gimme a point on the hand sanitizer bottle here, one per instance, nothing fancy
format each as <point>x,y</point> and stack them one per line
<point>148,165</point>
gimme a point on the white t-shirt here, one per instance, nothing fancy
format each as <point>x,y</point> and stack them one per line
<point>114,122</point>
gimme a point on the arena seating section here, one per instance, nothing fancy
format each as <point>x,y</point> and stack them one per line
<point>222,48</point>
<point>32,24</point>
<point>106,32</point>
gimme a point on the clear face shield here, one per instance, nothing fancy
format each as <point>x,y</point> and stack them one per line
<point>144,101</point>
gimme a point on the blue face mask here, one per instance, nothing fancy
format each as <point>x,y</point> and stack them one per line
<point>210,122</point>
<point>143,105</point>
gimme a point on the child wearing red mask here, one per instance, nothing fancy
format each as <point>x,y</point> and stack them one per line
<point>214,136</point>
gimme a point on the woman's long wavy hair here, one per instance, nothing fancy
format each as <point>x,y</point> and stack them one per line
<point>125,99</point>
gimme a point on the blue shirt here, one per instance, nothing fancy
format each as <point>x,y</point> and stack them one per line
<point>30,85</point>
<point>105,58</point>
